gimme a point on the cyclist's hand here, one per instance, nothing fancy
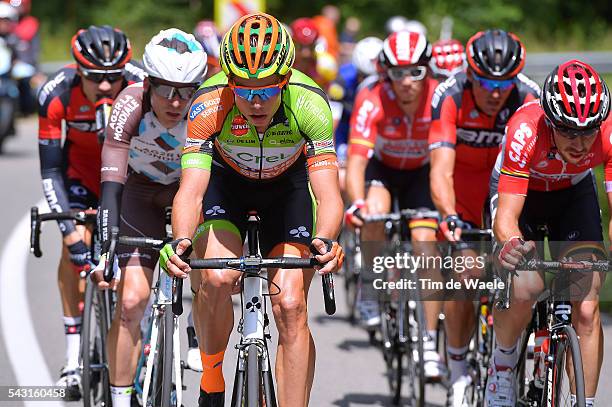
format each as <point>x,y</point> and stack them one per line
<point>80,255</point>
<point>354,214</point>
<point>327,252</point>
<point>97,275</point>
<point>170,261</point>
<point>513,252</point>
<point>451,228</point>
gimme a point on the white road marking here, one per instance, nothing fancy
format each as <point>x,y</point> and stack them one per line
<point>23,349</point>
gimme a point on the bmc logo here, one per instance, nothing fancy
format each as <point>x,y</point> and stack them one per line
<point>479,138</point>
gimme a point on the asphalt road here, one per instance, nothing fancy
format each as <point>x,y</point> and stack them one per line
<point>349,372</point>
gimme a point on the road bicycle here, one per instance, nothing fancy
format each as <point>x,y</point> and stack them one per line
<point>253,381</point>
<point>561,372</point>
<point>98,306</point>
<point>403,326</point>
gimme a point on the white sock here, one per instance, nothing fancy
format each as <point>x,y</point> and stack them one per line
<point>507,357</point>
<point>457,365</point>
<point>122,395</point>
<point>72,328</point>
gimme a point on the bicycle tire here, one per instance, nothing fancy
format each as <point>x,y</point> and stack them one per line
<point>168,356</point>
<point>391,351</point>
<point>569,342</point>
<point>419,317</point>
<point>104,312</point>
<point>268,387</point>
<point>157,377</point>
<point>90,379</point>
<point>253,377</point>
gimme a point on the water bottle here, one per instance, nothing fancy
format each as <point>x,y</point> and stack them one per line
<point>103,110</point>
<point>540,353</point>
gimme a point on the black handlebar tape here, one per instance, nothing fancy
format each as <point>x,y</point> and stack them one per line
<point>110,260</point>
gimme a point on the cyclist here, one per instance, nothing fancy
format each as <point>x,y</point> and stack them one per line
<point>470,110</point>
<point>27,31</point>
<point>543,177</point>
<point>447,58</point>
<point>71,173</point>
<point>310,55</point>
<point>388,158</point>
<point>259,133</point>
<point>207,33</point>
<point>344,88</point>
<point>140,174</point>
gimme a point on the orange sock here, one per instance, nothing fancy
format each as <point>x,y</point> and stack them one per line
<point>212,374</point>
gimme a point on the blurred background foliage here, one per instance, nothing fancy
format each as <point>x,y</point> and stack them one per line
<point>543,25</point>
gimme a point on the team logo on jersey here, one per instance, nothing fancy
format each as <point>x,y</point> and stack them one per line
<point>240,126</point>
<point>84,109</point>
<point>503,115</point>
<point>473,114</point>
<point>396,121</point>
<point>196,109</point>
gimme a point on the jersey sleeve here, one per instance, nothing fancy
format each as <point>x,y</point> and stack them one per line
<point>364,122</point>
<point>518,148</point>
<point>444,108</point>
<point>211,105</point>
<point>122,126</point>
<point>315,122</point>
<point>606,139</point>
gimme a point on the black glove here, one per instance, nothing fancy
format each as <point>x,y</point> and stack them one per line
<point>79,254</point>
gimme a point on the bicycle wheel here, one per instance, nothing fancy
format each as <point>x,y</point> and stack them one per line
<point>167,354</point>
<point>351,270</point>
<point>392,353</point>
<point>567,372</point>
<point>103,310</point>
<point>253,379</point>
<point>90,351</point>
<point>416,364</point>
<point>238,391</point>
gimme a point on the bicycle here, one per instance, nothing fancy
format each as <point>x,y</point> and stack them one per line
<point>253,381</point>
<point>403,324</point>
<point>480,348</point>
<point>553,317</point>
<point>97,310</point>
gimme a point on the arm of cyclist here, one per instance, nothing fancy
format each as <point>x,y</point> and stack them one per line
<point>443,191</point>
<point>355,187</point>
<point>51,168</point>
<point>326,189</point>
<point>506,230</point>
<point>186,207</point>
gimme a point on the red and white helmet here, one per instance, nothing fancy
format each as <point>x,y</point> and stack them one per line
<point>575,97</point>
<point>447,58</point>
<point>405,48</point>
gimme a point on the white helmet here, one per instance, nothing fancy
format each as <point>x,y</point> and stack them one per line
<point>175,56</point>
<point>9,12</point>
<point>415,26</point>
<point>365,53</point>
<point>395,24</point>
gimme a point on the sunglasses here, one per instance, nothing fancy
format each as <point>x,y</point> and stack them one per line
<point>264,92</point>
<point>169,92</point>
<point>101,75</point>
<point>493,84</point>
<point>572,134</point>
<point>415,73</point>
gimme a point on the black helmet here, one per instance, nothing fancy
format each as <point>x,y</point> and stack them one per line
<point>495,54</point>
<point>102,47</point>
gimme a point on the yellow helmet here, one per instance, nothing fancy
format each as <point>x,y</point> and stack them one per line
<point>257,46</point>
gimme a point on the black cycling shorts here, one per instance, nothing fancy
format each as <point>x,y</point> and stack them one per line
<point>285,207</point>
<point>569,215</point>
<point>79,197</point>
<point>143,213</point>
<point>410,187</point>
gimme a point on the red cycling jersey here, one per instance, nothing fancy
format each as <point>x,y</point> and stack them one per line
<point>62,99</point>
<point>379,126</point>
<point>457,123</point>
<point>528,159</point>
